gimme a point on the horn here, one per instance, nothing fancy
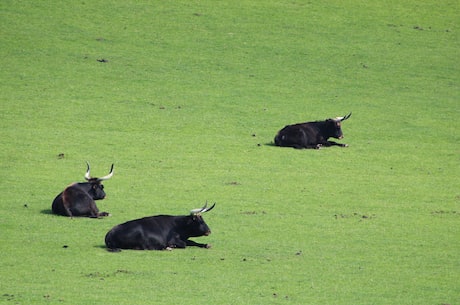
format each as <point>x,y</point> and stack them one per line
<point>197,211</point>
<point>107,176</point>
<point>203,209</point>
<point>87,176</point>
<point>209,209</point>
<point>343,118</point>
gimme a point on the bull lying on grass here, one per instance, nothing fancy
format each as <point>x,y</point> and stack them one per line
<point>161,232</point>
<point>78,199</point>
<point>311,134</point>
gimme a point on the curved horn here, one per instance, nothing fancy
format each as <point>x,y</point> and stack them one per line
<point>203,209</point>
<point>196,211</point>
<point>209,209</point>
<point>87,176</point>
<point>108,176</point>
<point>343,118</point>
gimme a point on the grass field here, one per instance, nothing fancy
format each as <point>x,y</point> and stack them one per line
<point>185,97</point>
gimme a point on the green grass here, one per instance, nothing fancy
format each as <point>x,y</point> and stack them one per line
<point>187,105</point>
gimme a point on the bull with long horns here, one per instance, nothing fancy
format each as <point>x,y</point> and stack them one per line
<point>160,232</point>
<point>312,134</point>
<point>78,199</point>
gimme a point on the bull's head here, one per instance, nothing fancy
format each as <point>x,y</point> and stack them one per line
<point>197,226</point>
<point>96,189</point>
<point>337,133</point>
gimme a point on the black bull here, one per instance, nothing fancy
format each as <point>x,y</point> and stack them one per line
<point>161,232</point>
<point>78,199</point>
<point>311,134</point>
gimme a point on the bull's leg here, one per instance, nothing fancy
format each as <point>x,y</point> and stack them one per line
<point>192,243</point>
<point>68,212</point>
<point>177,243</point>
<point>94,211</point>
<point>307,145</point>
<point>298,146</point>
<point>153,242</point>
<point>67,209</point>
<point>315,146</point>
<point>154,247</point>
<point>99,215</point>
<point>332,143</point>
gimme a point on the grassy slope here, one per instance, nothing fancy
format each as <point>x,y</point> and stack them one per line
<point>187,94</point>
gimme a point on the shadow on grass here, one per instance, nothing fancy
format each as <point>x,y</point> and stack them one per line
<point>47,212</point>
<point>271,144</point>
